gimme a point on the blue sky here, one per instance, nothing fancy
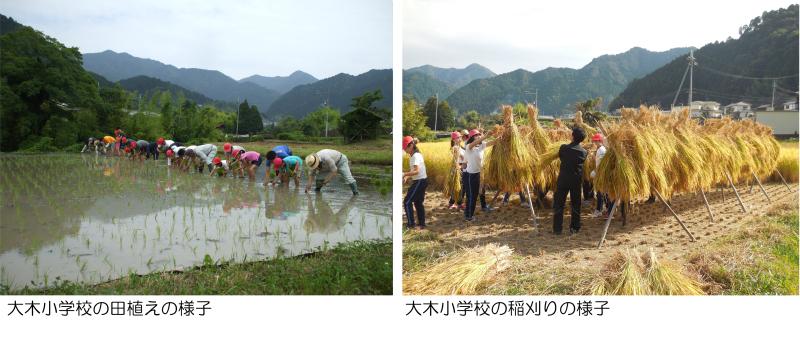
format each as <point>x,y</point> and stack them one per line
<point>504,35</point>
<point>238,38</point>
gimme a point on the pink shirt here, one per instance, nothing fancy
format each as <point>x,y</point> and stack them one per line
<point>251,156</point>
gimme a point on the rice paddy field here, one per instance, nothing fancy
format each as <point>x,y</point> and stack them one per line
<point>90,219</point>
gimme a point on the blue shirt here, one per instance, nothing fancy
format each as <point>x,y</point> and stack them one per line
<point>281,152</point>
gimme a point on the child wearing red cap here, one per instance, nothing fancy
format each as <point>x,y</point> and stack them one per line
<point>220,166</point>
<point>415,197</point>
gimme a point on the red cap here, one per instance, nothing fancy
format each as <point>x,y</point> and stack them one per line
<point>277,162</point>
<point>455,135</point>
<point>237,154</point>
<point>407,140</point>
<point>160,141</point>
<point>124,139</point>
<point>170,153</point>
<point>227,147</point>
<point>473,133</point>
<point>216,161</point>
<point>597,137</point>
<point>133,144</point>
<point>128,149</point>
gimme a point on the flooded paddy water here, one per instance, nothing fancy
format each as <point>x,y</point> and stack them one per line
<point>92,218</point>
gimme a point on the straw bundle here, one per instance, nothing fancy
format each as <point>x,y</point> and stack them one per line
<point>452,185</point>
<point>667,279</point>
<point>509,162</point>
<point>461,273</point>
<point>627,273</point>
<point>649,151</point>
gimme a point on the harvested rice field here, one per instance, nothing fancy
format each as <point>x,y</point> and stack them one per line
<point>544,263</point>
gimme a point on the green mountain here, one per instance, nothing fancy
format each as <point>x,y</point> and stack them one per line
<point>8,24</point>
<point>281,84</point>
<point>455,77</point>
<point>560,88</point>
<point>421,86</point>
<point>730,71</point>
<point>213,84</point>
<point>102,82</point>
<point>44,91</point>
<point>338,91</point>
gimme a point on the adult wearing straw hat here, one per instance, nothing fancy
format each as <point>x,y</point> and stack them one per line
<point>323,167</point>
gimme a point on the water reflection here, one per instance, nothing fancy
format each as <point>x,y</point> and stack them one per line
<point>95,218</point>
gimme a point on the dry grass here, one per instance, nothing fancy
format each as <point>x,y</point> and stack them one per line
<point>461,273</point>
<point>628,273</point>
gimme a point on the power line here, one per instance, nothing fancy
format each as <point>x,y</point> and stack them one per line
<point>731,75</point>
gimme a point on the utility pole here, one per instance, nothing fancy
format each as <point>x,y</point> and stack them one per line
<point>436,112</point>
<point>773,94</point>
<point>691,76</point>
<point>237,116</point>
<point>536,96</point>
<point>325,105</point>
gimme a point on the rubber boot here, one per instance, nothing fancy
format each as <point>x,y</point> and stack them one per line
<point>354,188</point>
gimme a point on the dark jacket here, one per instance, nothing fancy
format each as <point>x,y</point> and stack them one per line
<point>572,156</point>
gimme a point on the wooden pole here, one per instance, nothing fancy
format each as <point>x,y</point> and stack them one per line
<point>530,204</point>
<point>608,223</point>
<point>708,208</point>
<point>762,188</point>
<point>491,204</point>
<point>783,179</point>
<point>691,237</point>
<point>736,192</point>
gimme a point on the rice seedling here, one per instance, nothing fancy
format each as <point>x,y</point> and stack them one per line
<point>463,272</point>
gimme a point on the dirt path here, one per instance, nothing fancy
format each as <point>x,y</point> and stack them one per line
<point>648,225</point>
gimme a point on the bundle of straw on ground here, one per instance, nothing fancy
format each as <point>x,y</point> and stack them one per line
<point>452,185</point>
<point>462,273</point>
<point>508,164</point>
<point>665,278</point>
<point>628,273</point>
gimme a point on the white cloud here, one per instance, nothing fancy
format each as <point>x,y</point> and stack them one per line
<point>239,38</point>
<point>505,34</point>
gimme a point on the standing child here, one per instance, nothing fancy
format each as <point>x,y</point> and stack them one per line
<point>602,198</point>
<point>473,154</point>
<point>415,197</point>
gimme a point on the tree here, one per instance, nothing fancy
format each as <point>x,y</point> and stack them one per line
<point>365,121</point>
<point>590,114</point>
<point>41,78</point>
<point>249,119</point>
<point>444,119</point>
<point>314,123</point>
<point>414,120</point>
<point>469,120</point>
